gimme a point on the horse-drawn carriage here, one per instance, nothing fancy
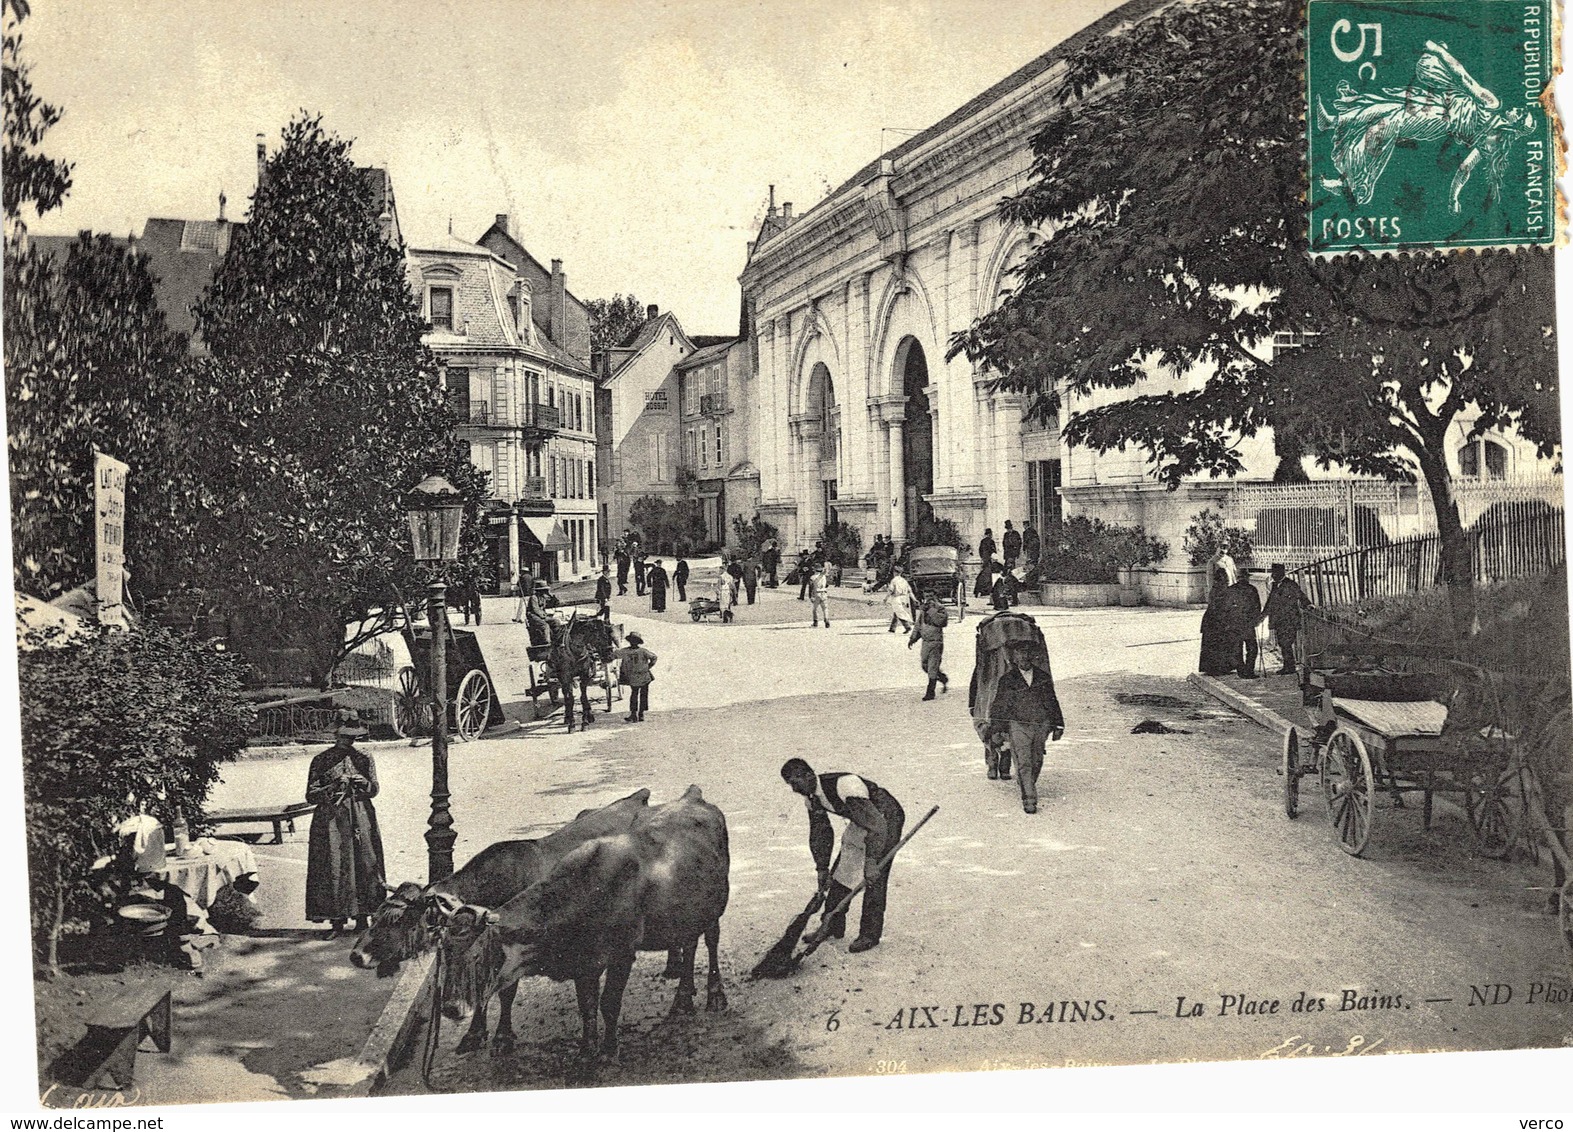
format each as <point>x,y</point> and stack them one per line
<point>580,650</point>
<point>473,703</point>
<point>936,571</point>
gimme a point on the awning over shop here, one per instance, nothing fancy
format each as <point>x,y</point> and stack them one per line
<point>547,532</point>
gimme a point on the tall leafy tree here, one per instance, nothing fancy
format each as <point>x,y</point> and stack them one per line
<point>1170,192</point>
<point>317,411</point>
<point>614,320</point>
<point>32,179</point>
<point>89,364</point>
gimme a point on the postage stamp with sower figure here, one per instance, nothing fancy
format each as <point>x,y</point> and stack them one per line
<point>1428,125</point>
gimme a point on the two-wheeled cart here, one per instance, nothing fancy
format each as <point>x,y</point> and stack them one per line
<point>1385,726</point>
<point>473,703</point>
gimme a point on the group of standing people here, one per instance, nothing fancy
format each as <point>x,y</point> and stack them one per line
<point>1235,609</point>
<point>997,580</point>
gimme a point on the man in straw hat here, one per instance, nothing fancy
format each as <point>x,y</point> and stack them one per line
<point>344,867</point>
<point>634,670</point>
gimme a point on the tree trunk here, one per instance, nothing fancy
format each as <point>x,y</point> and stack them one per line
<point>1458,565</point>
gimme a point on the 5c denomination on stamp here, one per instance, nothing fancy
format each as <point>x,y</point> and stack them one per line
<point>1425,127</point>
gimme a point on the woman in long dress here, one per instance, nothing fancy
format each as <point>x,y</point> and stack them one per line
<point>1219,645</point>
<point>344,867</point>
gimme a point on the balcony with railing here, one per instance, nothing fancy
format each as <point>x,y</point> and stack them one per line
<point>541,421</point>
<point>712,404</point>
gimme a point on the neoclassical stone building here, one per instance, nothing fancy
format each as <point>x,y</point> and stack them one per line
<point>853,303</point>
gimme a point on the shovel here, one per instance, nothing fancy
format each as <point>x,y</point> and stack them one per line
<point>780,961</point>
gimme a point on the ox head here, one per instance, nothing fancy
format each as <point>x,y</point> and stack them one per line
<point>400,929</point>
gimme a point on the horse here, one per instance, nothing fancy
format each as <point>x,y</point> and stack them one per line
<point>580,649</point>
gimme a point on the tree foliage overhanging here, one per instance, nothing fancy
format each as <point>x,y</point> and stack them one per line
<point>613,321</point>
<point>268,475</point>
<point>1170,189</point>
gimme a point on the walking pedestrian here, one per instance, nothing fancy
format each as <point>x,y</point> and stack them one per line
<point>899,598</point>
<point>639,571</point>
<point>819,593</point>
<point>344,864</point>
<point>603,587</point>
<point>750,578</point>
<point>1012,546</point>
<point>680,576</point>
<point>985,584</point>
<point>873,828</point>
<point>930,629</point>
<point>805,571</point>
<point>725,594</point>
<point>622,558</point>
<point>1031,544</point>
<point>655,582</point>
<point>1026,707</point>
<point>635,665</point>
<point>986,547</point>
<point>1285,601</point>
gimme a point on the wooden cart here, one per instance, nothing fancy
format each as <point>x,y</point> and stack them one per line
<point>473,703</point>
<point>1376,728</point>
<point>936,571</point>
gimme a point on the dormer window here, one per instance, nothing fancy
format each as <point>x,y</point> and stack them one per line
<point>441,317</point>
<point>513,310</point>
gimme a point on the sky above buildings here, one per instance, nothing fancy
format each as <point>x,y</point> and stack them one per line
<point>634,140</point>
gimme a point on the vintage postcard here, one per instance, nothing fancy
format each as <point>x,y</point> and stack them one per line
<point>571,545</point>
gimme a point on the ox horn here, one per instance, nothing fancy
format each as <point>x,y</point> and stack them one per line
<point>444,903</point>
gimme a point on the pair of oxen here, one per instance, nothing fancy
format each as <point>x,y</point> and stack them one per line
<point>577,904</point>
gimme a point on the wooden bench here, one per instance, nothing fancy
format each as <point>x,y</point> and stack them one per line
<point>106,1056</point>
<point>278,816</point>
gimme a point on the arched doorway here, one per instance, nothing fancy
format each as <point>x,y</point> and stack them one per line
<point>822,405</point>
<point>917,441</point>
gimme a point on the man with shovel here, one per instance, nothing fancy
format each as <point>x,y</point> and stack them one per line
<point>873,827</point>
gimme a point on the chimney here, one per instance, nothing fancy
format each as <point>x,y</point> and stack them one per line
<point>262,158</point>
<point>786,212</point>
<point>557,314</point>
<point>771,211</point>
<point>652,312</point>
<point>222,201</point>
<point>502,223</point>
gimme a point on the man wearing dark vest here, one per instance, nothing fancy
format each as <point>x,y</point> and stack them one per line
<point>873,827</point>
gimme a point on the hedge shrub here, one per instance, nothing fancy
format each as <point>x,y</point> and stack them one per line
<point>109,724</point>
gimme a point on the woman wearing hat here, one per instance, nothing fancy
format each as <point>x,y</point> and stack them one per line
<point>634,671</point>
<point>344,870</point>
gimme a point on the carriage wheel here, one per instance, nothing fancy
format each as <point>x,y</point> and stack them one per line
<point>411,711</point>
<point>1489,820</point>
<point>473,705</point>
<point>1350,790</point>
<point>1291,772</point>
<point>694,613</point>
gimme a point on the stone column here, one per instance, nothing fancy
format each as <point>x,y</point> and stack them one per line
<point>898,481</point>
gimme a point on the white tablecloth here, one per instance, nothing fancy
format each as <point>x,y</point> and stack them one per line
<point>208,867</point>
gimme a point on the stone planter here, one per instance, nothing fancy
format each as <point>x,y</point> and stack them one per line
<point>1176,586</point>
<point>1130,587</point>
<point>1079,595</point>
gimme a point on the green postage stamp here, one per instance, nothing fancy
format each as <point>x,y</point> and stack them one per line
<point>1425,127</point>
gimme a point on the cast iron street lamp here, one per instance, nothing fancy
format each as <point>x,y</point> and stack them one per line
<point>436,512</point>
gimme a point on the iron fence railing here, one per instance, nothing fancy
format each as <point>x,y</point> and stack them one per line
<point>1510,544</point>
<point>481,413</point>
<point>542,416</point>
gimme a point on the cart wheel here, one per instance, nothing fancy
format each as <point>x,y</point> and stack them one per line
<point>1490,816</point>
<point>694,613</point>
<point>1350,790</point>
<point>411,711</point>
<point>1291,772</point>
<point>473,705</point>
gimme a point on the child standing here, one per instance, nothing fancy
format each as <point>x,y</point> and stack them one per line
<point>636,663</point>
<point>818,591</point>
<point>930,630</point>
